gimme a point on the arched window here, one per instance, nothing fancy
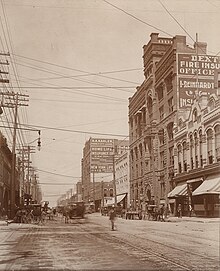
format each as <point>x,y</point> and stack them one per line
<point>212,104</point>
<point>196,150</point>
<point>195,115</point>
<point>132,155</point>
<point>200,148</point>
<point>170,130</point>
<point>105,193</point>
<point>191,150</point>
<point>217,142</point>
<point>179,155</point>
<point>209,146</point>
<point>161,136</point>
<point>180,123</point>
<point>111,192</point>
<point>150,106</point>
<point>184,157</point>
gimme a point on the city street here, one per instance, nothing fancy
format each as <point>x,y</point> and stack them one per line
<point>89,244</point>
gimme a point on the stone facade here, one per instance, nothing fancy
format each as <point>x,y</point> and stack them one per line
<point>154,110</point>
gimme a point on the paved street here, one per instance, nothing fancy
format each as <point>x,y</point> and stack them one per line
<point>89,243</point>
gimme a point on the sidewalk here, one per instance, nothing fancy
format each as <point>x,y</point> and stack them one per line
<point>172,219</point>
<point>194,219</point>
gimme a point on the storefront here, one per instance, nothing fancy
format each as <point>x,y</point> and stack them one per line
<point>178,196</point>
<point>206,197</point>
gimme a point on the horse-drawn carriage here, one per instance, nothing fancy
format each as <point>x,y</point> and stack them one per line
<point>75,210</point>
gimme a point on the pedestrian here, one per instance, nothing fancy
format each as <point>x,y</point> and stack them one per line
<point>66,216</point>
<point>112,216</point>
<point>162,213</point>
<point>179,211</point>
<point>190,210</point>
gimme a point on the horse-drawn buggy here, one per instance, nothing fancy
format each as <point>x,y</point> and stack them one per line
<point>75,210</point>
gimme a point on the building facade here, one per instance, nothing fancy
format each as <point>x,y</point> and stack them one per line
<point>197,158</point>
<point>99,155</point>
<point>174,74</point>
<point>122,180</point>
<point>5,174</point>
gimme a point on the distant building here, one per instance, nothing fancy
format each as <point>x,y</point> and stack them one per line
<point>122,180</point>
<point>175,74</point>
<point>97,166</point>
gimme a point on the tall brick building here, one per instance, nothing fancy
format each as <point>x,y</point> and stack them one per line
<point>97,167</point>
<point>175,74</point>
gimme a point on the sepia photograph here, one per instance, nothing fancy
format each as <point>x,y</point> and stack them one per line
<point>109,135</point>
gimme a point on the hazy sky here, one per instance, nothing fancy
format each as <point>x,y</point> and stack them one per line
<point>59,45</point>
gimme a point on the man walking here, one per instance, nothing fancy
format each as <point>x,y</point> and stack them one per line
<point>112,216</point>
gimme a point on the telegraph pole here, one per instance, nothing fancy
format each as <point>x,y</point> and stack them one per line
<point>93,178</point>
<point>18,99</point>
<point>113,169</point>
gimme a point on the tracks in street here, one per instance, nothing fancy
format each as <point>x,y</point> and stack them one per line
<point>147,248</point>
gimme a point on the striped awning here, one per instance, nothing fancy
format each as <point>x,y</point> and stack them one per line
<point>209,186</point>
<point>180,190</point>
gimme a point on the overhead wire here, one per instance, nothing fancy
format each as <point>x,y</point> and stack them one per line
<point>73,78</point>
<point>86,73</point>
<point>9,46</point>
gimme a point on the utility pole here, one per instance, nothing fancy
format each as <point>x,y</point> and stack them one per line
<point>4,80</point>
<point>113,169</point>
<point>93,178</point>
<point>17,99</point>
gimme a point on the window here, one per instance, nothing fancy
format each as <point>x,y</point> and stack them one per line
<point>161,111</point>
<point>196,151</point>
<point>169,83</point>
<point>217,142</point>
<point>179,154</point>
<point>184,157</point>
<point>162,189</point>
<point>209,146</point>
<point>191,151</point>
<point>131,122</point>
<point>212,104</point>
<point>170,105</point>
<point>161,136</point>
<point>160,92</point>
<point>162,162</point>
<point>171,156</point>
<point>195,116</point>
<point>200,148</point>
<point>111,192</point>
<point>150,106</point>
<point>105,192</point>
<point>170,130</point>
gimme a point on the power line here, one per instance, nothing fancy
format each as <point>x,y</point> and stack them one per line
<point>57,174</point>
<point>73,101</point>
<point>136,18</point>
<point>73,131</point>
<point>72,69</point>
<point>78,87</point>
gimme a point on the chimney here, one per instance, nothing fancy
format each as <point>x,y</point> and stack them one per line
<point>201,47</point>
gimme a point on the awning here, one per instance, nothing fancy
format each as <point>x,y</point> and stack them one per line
<point>209,186</point>
<point>111,200</point>
<point>195,180</point>
<point>180,190</point>
<point>121,197</point>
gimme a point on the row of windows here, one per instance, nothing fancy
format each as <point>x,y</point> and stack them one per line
<point>195,148</point>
